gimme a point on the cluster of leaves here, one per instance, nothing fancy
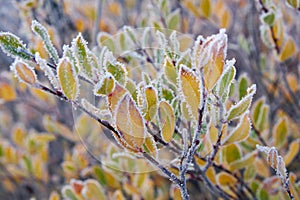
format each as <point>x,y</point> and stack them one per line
<point>167,91</point>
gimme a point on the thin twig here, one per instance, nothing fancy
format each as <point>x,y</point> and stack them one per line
<point>97,21</point>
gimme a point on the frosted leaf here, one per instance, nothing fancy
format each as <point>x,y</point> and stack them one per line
<point>13,46</point>
<point>47,70</point>
<point>41,31</point>
<point>129,122</point>
<point>166,120</point>
<point>24,72</point>
<point>67,52</point>
<point>209,57</point>
<point>275,161</point>
<point>68,79</point>
<point>242,106</point>
<point>191,88</point>
<point>174,41</point>
<point>81,54</point>
<point>226,79</point>
<point>105,86</point>
<point>162,41</point>
<point>130,33</point>
<point>103,114</point>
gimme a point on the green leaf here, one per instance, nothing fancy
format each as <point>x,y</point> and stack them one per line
<point>24,72</point>
<point>69,193</point>
<point>242,106</point>
<point>81,54</point>
<point>41,31</point>
<point>167,120</point>
<point>68,79</point>
<point>13,46</point>
<point>268,18</point>
<point>105,39</point>
<point>105,86</point>
<point>243,85</point>
<point>245,161</point>
<point>100,175</point>
<point>224,82</point>
<point>173,19</point>
<point>232,153</point>
<point>118,70</point>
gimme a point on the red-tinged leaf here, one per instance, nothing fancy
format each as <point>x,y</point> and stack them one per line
<point>129,122</point>
<point>115,97</point>
<point>24,72</point>
<point>210,54</point>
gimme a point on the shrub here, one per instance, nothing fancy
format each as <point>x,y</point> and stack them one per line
<point>165,101</point>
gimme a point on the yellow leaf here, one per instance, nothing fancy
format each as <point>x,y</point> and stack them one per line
<point>175,192</point>
<point>24,72</point>
<point>261,168</point>
<point>150,146</point>
<point>292,81</point>
<point>68,79</point>
<point>130,189</point>
<point>225,18</point>
<point>118,195</point>
<point>152,101</point>
<point>7,92</point>
<point>167,120</point>
<point>241,132</point>
<point>129,122</point>
<point>170,70</point>
<point>226,179</point>
<point>293,152</point>
<point>54,196</point>
<point>293,185</point>
<point>191,89</point>
<point>18,136</point>
<point>288,50</point>
<point>92,190</point>
<point>114,8</point>
<point>192,8</point>
<point>211,175</point>
<point>280,132</point>
<point>205,6</point>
